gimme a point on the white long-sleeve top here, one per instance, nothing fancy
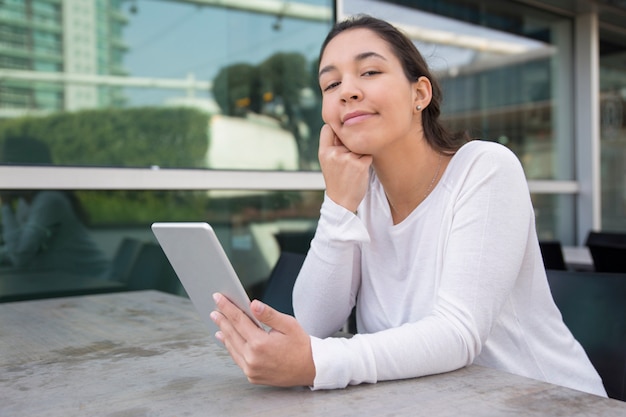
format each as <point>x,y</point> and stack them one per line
<point>459,281</point>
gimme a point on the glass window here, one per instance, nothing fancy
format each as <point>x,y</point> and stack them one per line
<point>155,84</point>
<point>13,9</point>
<point>613,131</point>
<point>505,71</point>
<point>71,242</point>
<point>248,75</point>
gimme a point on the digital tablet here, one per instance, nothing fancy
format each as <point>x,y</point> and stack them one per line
<point>202,267</point>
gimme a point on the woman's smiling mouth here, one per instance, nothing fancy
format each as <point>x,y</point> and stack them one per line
<point>355,117</point>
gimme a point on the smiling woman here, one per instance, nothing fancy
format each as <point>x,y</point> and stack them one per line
<point>403,99</point>
<point>430,236</point>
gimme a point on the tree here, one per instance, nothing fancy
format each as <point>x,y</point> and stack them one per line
<point>237,89</point>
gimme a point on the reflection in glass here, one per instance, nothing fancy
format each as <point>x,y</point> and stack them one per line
<point>253,226</point>
<point>613,132</point>
<point>45,230</point>
<point>505,72</point>
<point>169,84</point>
<point>553,214</point>
<point>113,82</point>
<point>248,223</point>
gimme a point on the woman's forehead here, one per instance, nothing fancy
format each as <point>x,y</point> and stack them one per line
<point>353,43</point>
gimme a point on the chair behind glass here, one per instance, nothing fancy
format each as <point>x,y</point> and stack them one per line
<point>608,251</point>
<point>593,306</point>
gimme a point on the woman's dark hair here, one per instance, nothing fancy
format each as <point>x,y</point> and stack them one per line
<point>414,66</point>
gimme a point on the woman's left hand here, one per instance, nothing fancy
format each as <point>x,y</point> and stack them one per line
<point>280,357</point>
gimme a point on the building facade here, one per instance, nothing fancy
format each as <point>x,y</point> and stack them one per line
<point>547,79</point>
<point>40,40</point>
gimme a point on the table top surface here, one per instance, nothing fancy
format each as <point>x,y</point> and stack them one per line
<point>147,354</point>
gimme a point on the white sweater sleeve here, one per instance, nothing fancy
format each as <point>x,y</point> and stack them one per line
<point>326,287</point>
<point>480,263</point>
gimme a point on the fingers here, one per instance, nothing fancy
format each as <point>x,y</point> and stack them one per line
<point>225,317</point>
<point>228,336</point>
<point>232,322</point>
<point>276,320</point>
<point>346,174</point>
<point>328,140</point>
<point>233,317</point>
<point>275,358</point>
<point>327,137</point>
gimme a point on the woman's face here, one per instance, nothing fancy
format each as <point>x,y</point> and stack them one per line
<point>366,97</point>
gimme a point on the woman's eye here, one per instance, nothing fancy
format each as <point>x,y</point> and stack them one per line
<point>370,73</point>
<point>331,86</point>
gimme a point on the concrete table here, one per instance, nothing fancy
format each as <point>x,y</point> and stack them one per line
<point>147,354</point>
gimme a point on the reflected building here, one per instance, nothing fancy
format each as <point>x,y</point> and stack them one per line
<point>55,39</point>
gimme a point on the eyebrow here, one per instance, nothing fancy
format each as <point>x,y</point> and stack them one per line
<point>360,57</point>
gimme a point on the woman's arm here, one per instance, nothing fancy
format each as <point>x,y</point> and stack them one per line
<point>485,248</point>
<point>325,291</point>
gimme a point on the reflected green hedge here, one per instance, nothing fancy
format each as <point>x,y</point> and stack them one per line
<point>142,208</point>
<point>139,137</point>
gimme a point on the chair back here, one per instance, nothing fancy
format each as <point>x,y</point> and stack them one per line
<point>608,251</point>
<point>152,271</point>
<point>552,254</point>
<point>295,241</point>
<point>279,289</point>
<point>593,306</point>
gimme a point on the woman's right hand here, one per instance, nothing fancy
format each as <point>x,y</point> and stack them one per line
<point>346,174</point>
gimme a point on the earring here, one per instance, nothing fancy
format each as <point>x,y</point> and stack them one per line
<point>419,107</point>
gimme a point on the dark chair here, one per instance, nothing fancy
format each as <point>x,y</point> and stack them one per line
<point>152,271</point>
<point>295,241</point>
<point>608,251</point>
<point>593,306</point>
<point>552,254</point>
<point>124,259</point>
<point>278,292</point>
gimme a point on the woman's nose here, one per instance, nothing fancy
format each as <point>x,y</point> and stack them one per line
<point>350,91</point>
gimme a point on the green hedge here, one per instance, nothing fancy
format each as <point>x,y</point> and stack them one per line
<point>138,137</point>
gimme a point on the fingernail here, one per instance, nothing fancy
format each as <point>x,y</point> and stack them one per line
<point>216,297</point>
<point>214,316</point>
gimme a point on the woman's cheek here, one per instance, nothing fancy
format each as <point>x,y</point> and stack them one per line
<point>330,113</point>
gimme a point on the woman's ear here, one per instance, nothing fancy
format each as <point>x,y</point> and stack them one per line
<point>423,93</point>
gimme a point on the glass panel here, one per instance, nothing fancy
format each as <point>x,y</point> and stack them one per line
<point>111,83</point>
<point>505,71</point>
<point>613,131</point>
<point>553,214</point>
<point>65,243</point>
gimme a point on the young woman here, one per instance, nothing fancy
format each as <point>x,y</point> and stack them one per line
<point>429,235</point>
